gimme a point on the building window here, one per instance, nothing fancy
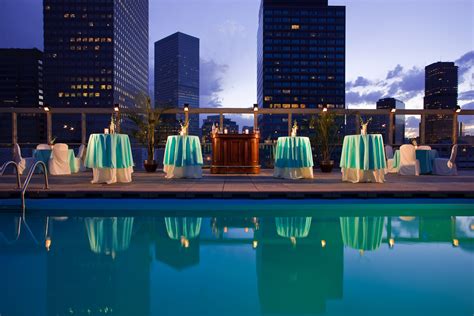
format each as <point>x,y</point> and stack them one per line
<point>295,27</point>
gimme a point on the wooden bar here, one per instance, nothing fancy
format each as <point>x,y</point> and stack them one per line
<point>235,153</point>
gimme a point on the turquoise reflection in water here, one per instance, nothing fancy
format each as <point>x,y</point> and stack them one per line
<point>237,265</point>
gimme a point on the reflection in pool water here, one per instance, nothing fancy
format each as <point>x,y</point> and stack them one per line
<point>236,265</point>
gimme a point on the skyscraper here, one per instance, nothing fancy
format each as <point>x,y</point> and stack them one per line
<point>301,59</point>
<point>441,92</point>
<point>96,55</point>
<point>21,85</point>
<point>380,123</point>
<point>177,75</point>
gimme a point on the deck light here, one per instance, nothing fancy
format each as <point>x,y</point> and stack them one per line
<point>325,108</point>
<point>186,107</point>
<point>46,108</point>
<point>116,108</point>
<point>458,109</point>
<point>255,107</point>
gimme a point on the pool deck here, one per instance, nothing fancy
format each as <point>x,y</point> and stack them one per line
<point>262,186</point>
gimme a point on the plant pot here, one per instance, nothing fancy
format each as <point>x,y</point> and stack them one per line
<point>150,165</point>
<point>326,166</point>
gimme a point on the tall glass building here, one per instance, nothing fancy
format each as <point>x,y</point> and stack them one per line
<point>95,56</point>
<point>301,60</point>
<point>21,85</point>
<point>441,92</point>
<point>380,123</point>
<point>177,76</point>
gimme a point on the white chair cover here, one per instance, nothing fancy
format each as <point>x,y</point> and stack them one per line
<point>423,147</point>
<point>409,166</point>
<point>79,159</point>
<point>192,172</point>
<point>43,146</point>
<point>23,163</point>
<point>59,162</point>
<point>446,167</point>
<point>112,175</point>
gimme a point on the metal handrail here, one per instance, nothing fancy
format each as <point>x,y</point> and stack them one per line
<point>27,182</point>
<point>4,167</point>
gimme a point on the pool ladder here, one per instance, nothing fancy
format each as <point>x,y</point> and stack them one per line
<point>27,180</point>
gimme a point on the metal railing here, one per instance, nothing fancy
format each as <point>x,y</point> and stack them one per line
<point>27,182</point>
<point>4,167</point>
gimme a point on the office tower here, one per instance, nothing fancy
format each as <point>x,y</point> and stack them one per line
<point>301,60</point>
<point>441,92</point>
<point>21,86</point>
<point>177,77</point>
<point>232,127</point>
<point>380,123</point>
<point>95,55</point>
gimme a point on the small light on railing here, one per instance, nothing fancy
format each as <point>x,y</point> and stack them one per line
<point>393,110</point>
<point>46,108</point>
<point>255,107</point>
<point>65,126</point>
<point>325,108</point>
<point>186,107</point>
<point>458,109</point>
<point>116,108</point>
<point>72,128</point>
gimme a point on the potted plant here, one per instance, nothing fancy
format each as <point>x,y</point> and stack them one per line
<point>145,121</point>
<point>326,136</point>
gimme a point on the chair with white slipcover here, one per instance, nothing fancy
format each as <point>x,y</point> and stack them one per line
<point>59,162</point>
<point>390,159</point>
<point>446,167</point>
<point>423,147</point>
<point>23,163</point>
<point>43,147</point>
<point>79,159</point>
<point>409,165</point>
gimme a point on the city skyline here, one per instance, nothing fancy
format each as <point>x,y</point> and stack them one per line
<point>389,63</point>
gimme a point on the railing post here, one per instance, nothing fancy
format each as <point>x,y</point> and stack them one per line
<point>221,122</point>
<point>83,128</point>
<point>14,128</point>
<point>255,121</point>
<point>49,128</point>
<point>422,128</point>
<point>455,129</point>
<point>186,117</point>
<point>290,123</point>
<point>357,123</point>
<point>391,128</point>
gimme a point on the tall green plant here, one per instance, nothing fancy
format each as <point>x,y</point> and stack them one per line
<point>145,121</point>
<point>326,133</point>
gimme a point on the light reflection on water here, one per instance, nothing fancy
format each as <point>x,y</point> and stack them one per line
<point>235,265</point>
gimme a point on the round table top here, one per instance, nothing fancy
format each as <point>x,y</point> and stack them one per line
<point>109,151</point>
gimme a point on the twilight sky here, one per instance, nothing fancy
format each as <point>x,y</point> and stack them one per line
<point>388,44</point>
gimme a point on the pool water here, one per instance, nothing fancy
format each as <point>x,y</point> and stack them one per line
<point>319,261</point>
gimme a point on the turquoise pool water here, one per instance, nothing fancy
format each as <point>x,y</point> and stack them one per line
<point>204,257</point>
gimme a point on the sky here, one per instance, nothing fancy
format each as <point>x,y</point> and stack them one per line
<point>388,44</point>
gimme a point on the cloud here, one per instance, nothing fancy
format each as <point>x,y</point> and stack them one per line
<point>353,97</point>
<point>395,72</point>
<point>466,96</point>
<point>359,82</point>
<point>412,122</point>
<point>211,76</point>
<point>465,64</point>
<point>232,28</point>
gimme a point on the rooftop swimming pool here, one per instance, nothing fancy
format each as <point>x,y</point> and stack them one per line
<point>228,257</point>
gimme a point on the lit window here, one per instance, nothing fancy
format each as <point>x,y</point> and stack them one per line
<point>295,27</point>
<point>60,94</point>
<point>286,91</point>
<point>267,98</point>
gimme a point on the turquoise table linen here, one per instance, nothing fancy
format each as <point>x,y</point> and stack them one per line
<point>44,155</point>
<point>425,157</point>
<point>183,151</point>
<point>293,152</point>
<point>363,152</point>
<point>109,151</point>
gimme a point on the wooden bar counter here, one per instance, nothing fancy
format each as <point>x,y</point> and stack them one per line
<point>235,153</point>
